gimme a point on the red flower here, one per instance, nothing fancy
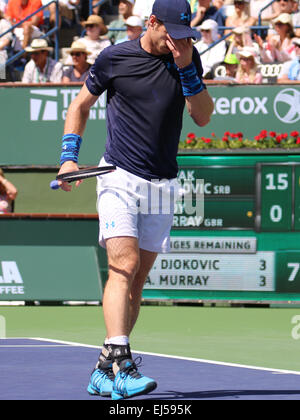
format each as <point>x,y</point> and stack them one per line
<point>295,133</point>
<point>298,140</point>
<point>285,135</point>
<point>272,133</point>
<point>257,138</point>
<point>240,134</point>
<point>225,138</point>
<point>189,141</point>
<point>240,138</point>
<point>279,138</point>
<point>227,133</point>
<point>207,141</point>
<point>263,134</point>
<point>213,135</point>
<point>191,136</point>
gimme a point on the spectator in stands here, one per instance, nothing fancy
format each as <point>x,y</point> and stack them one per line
<point>5,40</point>
<point>41,68</point>
<point>66,10</point>
<point>8,193</point>
<point>134,29</point>
<point>95,39</point>
<point>18,10</point>
<point>79,71</point>
<point>206,11</point>
<point>231,65</point>
<point>241,16</point>
<point>240,38</point>
<point>216,54</point>
<point>291,69</point>
<point>291,7</point>
<point>248,71</point>
<point>278,48</point>
<point>143,9</point>
<point>125,10</point>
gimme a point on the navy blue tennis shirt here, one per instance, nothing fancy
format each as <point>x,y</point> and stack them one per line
<point>145,107</point>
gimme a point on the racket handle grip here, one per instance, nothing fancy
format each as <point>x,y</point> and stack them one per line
<point>54,185</point>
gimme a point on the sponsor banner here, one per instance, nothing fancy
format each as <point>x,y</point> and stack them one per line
<point>40,114</point>
<point>213,272</point>
<point>214,245</point>
<point>49,273</point>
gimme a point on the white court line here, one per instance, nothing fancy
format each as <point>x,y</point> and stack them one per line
<point>192,359</point>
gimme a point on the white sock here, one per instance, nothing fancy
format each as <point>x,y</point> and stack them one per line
<point>120,340</point>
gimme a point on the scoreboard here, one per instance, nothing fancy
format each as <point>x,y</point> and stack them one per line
<point>245,245</point>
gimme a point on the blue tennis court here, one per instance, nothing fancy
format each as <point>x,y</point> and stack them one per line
<point>53,370</point>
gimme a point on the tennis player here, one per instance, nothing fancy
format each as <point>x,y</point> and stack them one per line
<point>148,81</point>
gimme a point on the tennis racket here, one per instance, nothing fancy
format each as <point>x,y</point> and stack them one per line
<point>81,174</point>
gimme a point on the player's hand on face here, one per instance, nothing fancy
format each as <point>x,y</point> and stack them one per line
<point>182,50</point>
<point>68,166</point>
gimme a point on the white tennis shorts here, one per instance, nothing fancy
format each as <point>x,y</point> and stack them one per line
<point>132,206</point>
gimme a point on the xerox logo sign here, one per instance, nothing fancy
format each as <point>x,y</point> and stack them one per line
<point>287,106</point>
<point>42,105</point>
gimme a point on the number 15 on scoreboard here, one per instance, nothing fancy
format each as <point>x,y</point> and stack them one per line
<point>275,197</point>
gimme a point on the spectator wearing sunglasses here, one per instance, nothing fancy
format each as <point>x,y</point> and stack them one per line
<point>291,7</point>
<point>216,54</point>
<point>95,38</point>
<point>79,71</point>
<point>279,47</point>
<point>41,68</point>
<point>248,71</point>
<point>241,16</point>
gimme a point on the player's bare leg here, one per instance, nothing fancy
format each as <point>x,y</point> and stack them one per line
<point>121,303</point>
<point>147,260</point>
<point>123,263</point>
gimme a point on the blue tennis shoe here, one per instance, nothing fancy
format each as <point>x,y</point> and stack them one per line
<point>129,382</point>
<point>101,382</point>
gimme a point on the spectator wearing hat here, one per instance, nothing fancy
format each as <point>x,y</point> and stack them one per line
<point>125,10</point>
<point>18,10</point>
<point>134,29</point>
<point>216,54</point>
<point>41,68</point>
<point>278,48</point>
<point>230,63</point>
<point>240,38</point>
<point>291,69</point>
<point>248,71</point>
<point>79,71</point>
<point>95,39</point>
<point>206,11</point>
<point>241,16</point>
<point>290,7</point>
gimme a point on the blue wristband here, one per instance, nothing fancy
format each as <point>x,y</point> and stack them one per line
<point>190,80</point>
<point>70,148</point>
